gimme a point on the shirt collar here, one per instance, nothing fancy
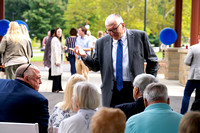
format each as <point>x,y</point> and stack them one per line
<point>158,106</point>
<point>123,38</point>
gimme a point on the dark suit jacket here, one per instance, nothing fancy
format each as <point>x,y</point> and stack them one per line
<point>139,49</point>
<point>132,108</point>
<point>20,103</point>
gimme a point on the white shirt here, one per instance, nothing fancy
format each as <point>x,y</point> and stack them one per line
<point>125,63</point>
<point>78,123</point>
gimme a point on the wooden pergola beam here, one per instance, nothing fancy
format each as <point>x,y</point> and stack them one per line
<point>178,21</point>
<point>2,12</point>
<point>195,22</point>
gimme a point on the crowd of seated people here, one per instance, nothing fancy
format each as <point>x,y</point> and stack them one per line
<point>80,110</point>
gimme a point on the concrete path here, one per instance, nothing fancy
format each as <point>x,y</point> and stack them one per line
<point>175,90</point>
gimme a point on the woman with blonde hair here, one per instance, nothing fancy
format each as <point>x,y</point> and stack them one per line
<point>64,109</point>
<point>15,50</point>
<point>190,123</point>
<point>85,101</point>
<point>26,35</point>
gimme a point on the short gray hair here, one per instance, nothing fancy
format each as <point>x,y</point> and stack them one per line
<point>156,92</point>
<point>142,80</point>
<point>86,95</point>
<point>113,18</point>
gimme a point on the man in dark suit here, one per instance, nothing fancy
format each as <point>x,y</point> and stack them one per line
<point>20,100</point>
<point>117,79</point>
<point>140,83</point>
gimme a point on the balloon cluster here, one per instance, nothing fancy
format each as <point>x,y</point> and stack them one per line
<point>168,36</point>
<point>4,25</point>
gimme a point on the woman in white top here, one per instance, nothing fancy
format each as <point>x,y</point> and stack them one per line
<point>85,100</point>
<point>57,60</point>
<point>64,109</point>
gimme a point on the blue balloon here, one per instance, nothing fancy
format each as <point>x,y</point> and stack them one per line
<point>22,22</point>
<point>4,25</point>
<point>168,36</point>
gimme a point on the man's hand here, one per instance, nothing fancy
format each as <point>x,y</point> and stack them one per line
<point>79,51</point>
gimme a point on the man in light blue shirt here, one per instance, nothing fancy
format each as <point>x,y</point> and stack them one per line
<point>158,116</point>
<point>84,42</point>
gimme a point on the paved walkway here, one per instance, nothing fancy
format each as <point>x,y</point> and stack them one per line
<point>175,90</point>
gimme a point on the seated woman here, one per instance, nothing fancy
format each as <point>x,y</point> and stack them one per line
<point>85,100</point>
<point>190,123</point>
<point>108,120</point>
<point>64,109</point>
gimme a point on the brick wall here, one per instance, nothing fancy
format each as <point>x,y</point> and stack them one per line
<point>183,69</point>
<point>172,64</point>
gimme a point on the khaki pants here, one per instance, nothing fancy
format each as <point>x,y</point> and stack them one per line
<point>81,68</point>
<point>10,71</point>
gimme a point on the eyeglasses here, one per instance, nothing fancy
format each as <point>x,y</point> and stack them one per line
<point>114,30</point>
<point>26,69</point>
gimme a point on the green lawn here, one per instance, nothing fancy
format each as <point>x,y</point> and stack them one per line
<point>40,58</point>
<point>159,55</point>
<point>36,58</point>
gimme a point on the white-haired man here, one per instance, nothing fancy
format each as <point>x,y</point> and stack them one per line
<point>119,56</point>
<point>157,117</point>
<point>20,100</point>
<point>140,83</point>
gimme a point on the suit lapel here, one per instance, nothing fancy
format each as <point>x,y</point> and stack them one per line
<point>108,49</point>
<point>130,43</point>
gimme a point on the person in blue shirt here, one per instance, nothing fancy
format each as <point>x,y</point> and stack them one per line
<point>158,116</point>
<point>84,42</point>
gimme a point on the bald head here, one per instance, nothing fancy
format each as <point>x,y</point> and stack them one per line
<point>25,69</point>
<point>29,74</point>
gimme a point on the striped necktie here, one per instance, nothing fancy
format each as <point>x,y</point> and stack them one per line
<point>119,69</point>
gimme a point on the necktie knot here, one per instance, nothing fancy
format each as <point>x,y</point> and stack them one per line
<point>120,42</point>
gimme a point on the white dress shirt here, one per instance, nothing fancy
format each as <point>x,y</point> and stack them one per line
<point>125,61</point>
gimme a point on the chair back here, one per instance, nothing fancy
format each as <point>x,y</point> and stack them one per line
<point>9,127</point>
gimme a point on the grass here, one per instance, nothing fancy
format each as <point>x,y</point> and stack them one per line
<point>40,58</point>
<point>159,55</point>
<point>36,58</point>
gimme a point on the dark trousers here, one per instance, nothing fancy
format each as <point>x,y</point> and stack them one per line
<point>50,77</point>
<point>57,83</point>
<point>189,88</point>
<point>123,96</point>
<point>72,61</point>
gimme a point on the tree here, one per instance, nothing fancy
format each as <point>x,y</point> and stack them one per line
<point>160,14</point>
<point>15,8</point>
<point>81,13</point>
<point>186,21</point>
<point>43,16</point>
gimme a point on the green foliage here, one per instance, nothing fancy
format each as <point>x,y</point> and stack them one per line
<point>34,43</point>
<point>186,20</point>
<point>160,14</point>
<point>15,8</point>
<point>159,55</point>
<point>154,40</point>
<point>43,16</point>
